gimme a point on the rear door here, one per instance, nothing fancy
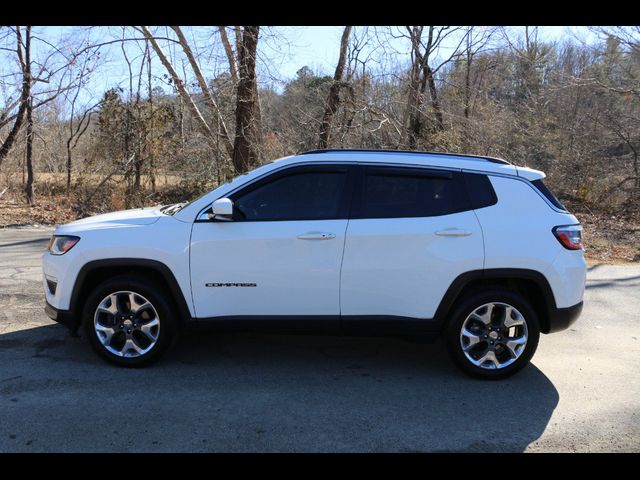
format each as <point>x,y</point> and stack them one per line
<point>411,233</point>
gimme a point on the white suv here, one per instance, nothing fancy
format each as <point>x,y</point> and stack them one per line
<point>346,241</point>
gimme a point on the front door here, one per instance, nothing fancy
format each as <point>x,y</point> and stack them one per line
<point>281,253</point>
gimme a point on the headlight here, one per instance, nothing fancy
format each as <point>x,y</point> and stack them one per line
<point>61,244</point>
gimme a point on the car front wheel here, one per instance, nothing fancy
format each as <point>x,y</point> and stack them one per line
<point>129,321</point>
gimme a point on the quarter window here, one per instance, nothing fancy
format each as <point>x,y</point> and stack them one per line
<point>480,191</point>
<point>542,188</point>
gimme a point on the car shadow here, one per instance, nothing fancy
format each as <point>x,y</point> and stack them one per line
<point>603,283</point>
<point>39,242</point>
<point>253,392</point>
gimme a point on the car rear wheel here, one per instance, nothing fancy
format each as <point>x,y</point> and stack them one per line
<point>493,334</point>
<point>129,321</point>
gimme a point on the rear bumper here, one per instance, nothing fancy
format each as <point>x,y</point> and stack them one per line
<point>63,317</point>
<point>561,318</point>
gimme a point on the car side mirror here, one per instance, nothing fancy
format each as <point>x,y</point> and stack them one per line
<point>222,209</point>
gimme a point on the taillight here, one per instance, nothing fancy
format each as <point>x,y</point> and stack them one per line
<point>570,236</point>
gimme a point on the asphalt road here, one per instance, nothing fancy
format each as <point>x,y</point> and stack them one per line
<point>245,392</point>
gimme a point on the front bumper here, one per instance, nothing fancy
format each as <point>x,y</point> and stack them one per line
<point>561,318</point>
<point>64,317</point>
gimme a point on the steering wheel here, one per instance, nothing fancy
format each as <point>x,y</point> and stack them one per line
<point>243,211</point>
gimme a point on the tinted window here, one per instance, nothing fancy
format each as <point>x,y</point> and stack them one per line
<point>539,184</point>
<point>398,193</point>
<point>480,191</point>
<point>298,196</point>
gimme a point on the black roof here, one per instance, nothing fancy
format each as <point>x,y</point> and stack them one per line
<point>346,150</point>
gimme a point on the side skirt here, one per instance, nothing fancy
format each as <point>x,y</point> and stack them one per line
<point>357,325</point>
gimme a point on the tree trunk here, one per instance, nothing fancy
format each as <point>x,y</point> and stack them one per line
<point>69,160</point>
<point>423,75</point>
<point>233,64</point>
<point>435,103</point>
<point>416,98</point>
<point>411,122</point>
<point>126,152</point>
<point>6,146</point>
<point>248,140</point>
<point>205,89</point>
<point>139,163</point>
<point>150,145</point>
<point>467,85</point>
<point>333,99</point>
<point>13,134</point>
<point>28,188</point>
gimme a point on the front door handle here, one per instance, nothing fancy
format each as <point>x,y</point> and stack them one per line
<point>453,232</point>
<point>317,236</point>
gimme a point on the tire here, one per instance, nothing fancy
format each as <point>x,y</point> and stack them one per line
<point>510,354</point>
<point>149,325</point>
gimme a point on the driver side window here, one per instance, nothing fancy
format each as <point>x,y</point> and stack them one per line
<point>303,195</point>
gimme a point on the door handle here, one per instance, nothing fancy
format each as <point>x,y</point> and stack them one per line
<point>453,232</point>
<point>316,236</point>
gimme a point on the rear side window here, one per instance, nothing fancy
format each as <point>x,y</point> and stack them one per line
<point>544,190</point>
<point>399,192</point>
<point>480,191</point>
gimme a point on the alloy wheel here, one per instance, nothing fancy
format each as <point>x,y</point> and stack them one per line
<point>126,324</point>
<point>494,335</point>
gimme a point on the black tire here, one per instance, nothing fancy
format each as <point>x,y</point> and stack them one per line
<point>466,306</point>
<point>156,295</point>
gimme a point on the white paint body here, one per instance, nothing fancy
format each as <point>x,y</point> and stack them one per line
<point>293,276</point>
<point>401,267</point>
<point>388,266</point>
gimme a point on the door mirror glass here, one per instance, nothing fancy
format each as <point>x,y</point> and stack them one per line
<point>222,209</point>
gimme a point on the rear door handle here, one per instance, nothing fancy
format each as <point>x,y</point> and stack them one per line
<point>453,232</point>
<point>316,236</point>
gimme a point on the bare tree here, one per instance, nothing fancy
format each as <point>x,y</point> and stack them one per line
<point>333,98</point>
<point>152,166</point>
<point>76,128</point>
<point>204,127</point>
<point>55,73</point>
<point>205,89</point>
<point>28,188</point>
<point>422,76</point>
<point>475,41</point>
<point>25,93</point>
<point>233,62</point>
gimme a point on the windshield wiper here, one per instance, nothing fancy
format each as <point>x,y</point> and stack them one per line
<point>171,209</point>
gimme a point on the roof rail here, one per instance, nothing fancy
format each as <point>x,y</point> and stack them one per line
<point>445,154</point>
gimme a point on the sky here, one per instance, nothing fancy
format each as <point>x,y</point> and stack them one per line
<point>282,51</point>
<point>317,47</point>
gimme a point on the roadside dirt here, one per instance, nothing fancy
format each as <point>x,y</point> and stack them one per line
<point>48,211</point>
<point>610,239</point>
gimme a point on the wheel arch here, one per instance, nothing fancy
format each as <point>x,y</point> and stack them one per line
<point>531,284</point>
<point>96,271</point>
